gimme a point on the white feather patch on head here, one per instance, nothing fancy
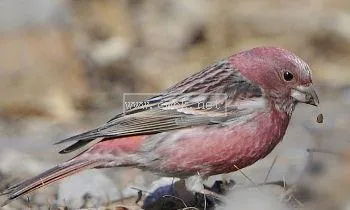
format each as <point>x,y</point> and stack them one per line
<point>298,95</point>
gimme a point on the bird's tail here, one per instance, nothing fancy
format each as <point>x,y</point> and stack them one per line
<point>52,175</point>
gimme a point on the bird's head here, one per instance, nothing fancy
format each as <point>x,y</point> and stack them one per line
<point>284,77</point>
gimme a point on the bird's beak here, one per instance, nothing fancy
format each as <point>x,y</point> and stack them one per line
<point>305,94</point>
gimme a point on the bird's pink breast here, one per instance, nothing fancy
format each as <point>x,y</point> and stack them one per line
<point>213,150</point>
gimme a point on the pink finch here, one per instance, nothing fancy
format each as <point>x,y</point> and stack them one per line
<point>254,92</point>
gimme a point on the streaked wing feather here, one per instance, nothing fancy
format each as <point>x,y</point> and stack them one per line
<point>158,116</point>
<point>74,146</point>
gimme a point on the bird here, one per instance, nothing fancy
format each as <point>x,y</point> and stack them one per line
<point>226,117</point>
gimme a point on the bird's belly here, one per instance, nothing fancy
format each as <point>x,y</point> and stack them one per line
<point>216,150</point>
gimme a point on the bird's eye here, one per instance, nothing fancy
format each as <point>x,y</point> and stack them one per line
<point>288,76</point>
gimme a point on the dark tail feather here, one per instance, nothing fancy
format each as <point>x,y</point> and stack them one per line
<point>74,147</point>
<point>54,174</point>
<point>87,136</point>
<point>80,140</point>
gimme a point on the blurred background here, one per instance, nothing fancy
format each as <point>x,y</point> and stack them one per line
<point>65,64</point>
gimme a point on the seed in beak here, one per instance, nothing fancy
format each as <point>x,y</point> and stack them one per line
<point>319,118</point>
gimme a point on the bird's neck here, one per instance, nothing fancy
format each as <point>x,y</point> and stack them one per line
<point>284,104</point>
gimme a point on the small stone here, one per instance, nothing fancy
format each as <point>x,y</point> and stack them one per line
<point>259,197</point>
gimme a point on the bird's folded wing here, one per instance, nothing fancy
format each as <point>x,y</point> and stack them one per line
<point>149,122</point>
<point>183,105</point>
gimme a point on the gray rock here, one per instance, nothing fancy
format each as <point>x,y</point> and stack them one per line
<point>161,182</point>
<point>87,189</point>
<point>290,164</point>
<point>255,198</point>
<point>28,13</point>
<point>20,164</point>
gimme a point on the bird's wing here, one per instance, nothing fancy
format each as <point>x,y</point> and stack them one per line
<point>213,96</point>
